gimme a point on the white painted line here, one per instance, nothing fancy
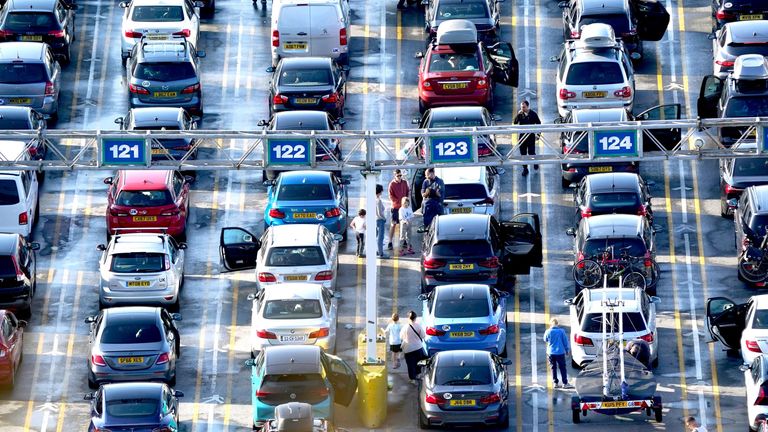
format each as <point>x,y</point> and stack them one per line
<point>238,63</point>
<point>92,67</point>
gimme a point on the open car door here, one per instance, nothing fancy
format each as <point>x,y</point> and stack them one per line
<point>711,89</point>
<point>668,138</point>
<point>419,174</point>
<point>342,378</point>
<point>504,56</point>
<point>522,243</point>
<point>652,19</point>
<point>726,321</point>
<point>237,248</point>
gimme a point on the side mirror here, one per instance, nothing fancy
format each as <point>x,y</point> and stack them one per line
<point>336,295</point>
<point>733,203</point>
<point>655,299</point>
<point>503,294</point>
<point>199,4</point>
<point>338,237</point>
<point>89,397</point>
<point>506,362</point>
<point>421,230</point>
<point>123,4</point>
<point>195,124</point>
<point>711,36</point>
<point>568,302</point>
<point>345,68</point>
<point>270,69</point>
<point>635,56</point>
<point>496,117</point>
<point>249,363</point>
<point>34,246</point>
<point>182,245</point>
<point>251,297</point>
<point>268,182</point>
<point>176,316</point>
<point>422,363</point>
<point>178,394</point>
<point>101,247</point>
<point>500,171</point>
<point>554,59</point>
<point>418,55</point>
<point>262,123</point>
<point>189,179</point>
<point>119,121</point>
<point>344,181</point>
<point>73,7</point>
<point>562,4</point>
<point>23,324</point>
<point>415,120</point>
<point>422,297</point>
<point>200,53</point>
<point>340,121</point>
<point>571,232</point>
<point>744,367</point>
<point>90,319</point>
<point>108,180</point>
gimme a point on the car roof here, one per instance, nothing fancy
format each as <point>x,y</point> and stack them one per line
<point>468,174</point>
<point>138,242</point>
<point>305,62</point>
<point>603,7</point>
<point>293,290</point>
<point>26,51</point>
<point>613,225</point>
<point>605,182</point>
<point>294,177</point>
<point>145,179</point>
<point>156,2</point>
<point>748,31</point>
<point>283,3</point>
<point>462,226</point>
<point>468,357</point>
<point>133,390</point>
<point>292,119</point>
<point>156,115</point>
<point>294,235</point>
<point>30,5</point>
<point>759,195</point>
<point>630,298</point>
<point>136,312</point>
<point>594,115</point>
<point>175,49</point>
<point>8,243</point>
<point>14,112</point>
<point>456,112</point>
<point>292,359</point>
<point>462,291</point>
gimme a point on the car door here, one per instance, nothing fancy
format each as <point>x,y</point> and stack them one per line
<point>668,138</point>
<point>709,95</point>
<point>237,248</point>
<point>9,340</point>
<point>341,377</point>
<point>752,379</point>
<point>652,19</point>
<point>178,256</point>
<point>507,68</point>
<point>726,321</point>
<point>493,182</point>
<point>521,237</point>
<point>29,181</point>
<point>416,181</point>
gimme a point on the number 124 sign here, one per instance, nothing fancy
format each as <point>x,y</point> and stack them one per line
<point>612,143</point>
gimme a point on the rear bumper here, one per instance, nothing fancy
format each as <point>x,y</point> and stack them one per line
<point>335,225</point>
<point>431,99</point>
<point>438,417</point>
<point>493,344</point>
<point>194,105</point>
<point>105,374</point>
<point>574,173</point>
<point>175,225</point>
<point>563,108</point>
<point>163,298</point>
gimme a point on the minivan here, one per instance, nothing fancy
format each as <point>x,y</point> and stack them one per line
<point>18,192</point>
<point>311,28</point>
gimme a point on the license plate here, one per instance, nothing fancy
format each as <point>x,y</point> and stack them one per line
<point>600,169</point>
<point>304,215</point>
<point>461,266</point>
<point>750,17</point>
<point>157,36</point>
<point>165,94</point>
<point>305,101</point>
<point>130,360</point>
<point>464,334</point>
<point>158,151</point>
<point>145,218</point>
<point>37,38</point>
<point>461,210</point>
<point>296,277</point>
<point>455,86</point>
<point>462,402</point>
<point>295,45</point>
<point>614,404</point>
<point>19,101</point>
<point>594,94</point>
<point>138,283</point>
<point>292,338</point>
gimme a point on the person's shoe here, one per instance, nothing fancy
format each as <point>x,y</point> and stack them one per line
<point>389,246</point>
<point>567,386</point>
<point>525,172</point>
<point>557,385</point>
<point>410,251</point>
<point>384,256</point>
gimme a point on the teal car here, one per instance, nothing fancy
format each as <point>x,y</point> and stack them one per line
<point>299,373</point>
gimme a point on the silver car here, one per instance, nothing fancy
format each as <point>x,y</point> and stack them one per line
<point>473,189</point>
<point>141,269</point>
<point>156,18</point>
<point>135,343</point>
<point>30,76</point>
<point>735,39</point>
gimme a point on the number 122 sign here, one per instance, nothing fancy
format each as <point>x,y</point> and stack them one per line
<point>446,149</point>
<point>123,151</point>
<point>289,152</point>
<point>612,143</point>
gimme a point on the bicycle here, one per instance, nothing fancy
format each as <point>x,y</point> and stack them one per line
<point>753,264</point>
<point>590,272</point>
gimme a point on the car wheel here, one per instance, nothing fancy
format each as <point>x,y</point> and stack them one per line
<point>26,312</point>
<point>504,421</point>
<point>344,235</point>
<point>565,183</point>
<point>576,416</point>
<point>423,422</point>
<point>172,381</point>
<point>208,11</point>
<point>575,365</point>
<point>655,362</point>
<point>422,107</point>
<point>175,306</point>
<point>67,58</point>
<point>657,413</point>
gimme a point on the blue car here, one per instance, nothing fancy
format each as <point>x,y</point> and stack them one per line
<point>134,406</point>
<point>308,197</point>
<point>465,317</point>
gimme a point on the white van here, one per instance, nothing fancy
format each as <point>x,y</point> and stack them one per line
<point>18,192</point>
<point>310,28</point>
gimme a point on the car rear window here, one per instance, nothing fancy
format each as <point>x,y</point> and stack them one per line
<point>462,10</point>
<point>132,407</point>
<point>637,247</point>
<point>22,73</point>
<point>295,256</point>
<point>9,192</point>
<point>456,123</point>
<point>164,71</point>
<point>594,73</point>
<point>462,375</point>
<point>760,321</point>
<point>305,77</point>
<point>304,192</point>
<point>157,14</point>
<point>304,123</point>
<point>619,22</point>
<point>632,322</point>
<point>463,248</point>
<point>30,22</point>
<point>130,330</point>
<point>152,198</point>
<point>455,191</point>
<point>736,49</point>
<point>750,167</point>
<point>453,62</point>
<point>14,124</point>
<point>293,309</point>
<point>277,389</point>
<point>748,106</point>
<point>614,200</point>
<point>138,262</point>
<point>461,308</point>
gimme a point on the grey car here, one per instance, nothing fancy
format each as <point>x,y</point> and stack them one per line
<point>735,39</point>
<point>30,76</point>
<point>136,343</point>
<point>165,73</point>
<point>464,387</point>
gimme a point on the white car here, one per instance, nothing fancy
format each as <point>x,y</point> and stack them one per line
<point>19,192</point>
<point>158,19</point>
<point>471,189</point>
<point>740,326</point>
<point>638,311</point>
<point>144,269</point>
<point>293,314</point>
<point>756,385</point>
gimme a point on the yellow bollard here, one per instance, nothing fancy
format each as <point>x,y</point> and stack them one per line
<point>372,383</point>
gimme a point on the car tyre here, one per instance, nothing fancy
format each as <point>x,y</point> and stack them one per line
<point>422,107</point>
<point>576,416</point>
<point>93,385</point>
<point>724,210</point>
<point>575,365</point>
<point>175,306</point>
<point>504,351</point>
<point>208,11</point>
<point>504,422</point>
<point>565,183</point>
<point>657,413</point>
<point>172,382</point>
<point>655,362</point>
<point>423,421</point>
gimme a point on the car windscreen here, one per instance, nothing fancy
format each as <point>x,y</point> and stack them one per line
<point>304,192</point>
<point>457,191</point>
<point>295,256</point>
<point>130,330</point>
<point>157,14</point>
<point>736,49</point>
<point>632,322</point>
<point>164,71</point>
<point>459,61</point>
<point>23,22</point>
<point>305,77</point>
<point>137,262</point>
<point>462,375</point>
<point>463,248</point>
<point>151,198</point>
<point>304,123</point>
<point>456,123</point>
<point>758,225</point>
<point>462,10</point>
<point>594,73</point>
<point>760,321</point>
<point>7,268</point>
<point>594,247</point>
<point>619,22</point>
<point>750,167</point>
<point>9,192</point>
<point>747,106</point>
<point>123,408</point>
<point>278,389</point>
<point>293,309</point>
<point>453,307</point>
<point>614,201</point>
<point>22,73</point>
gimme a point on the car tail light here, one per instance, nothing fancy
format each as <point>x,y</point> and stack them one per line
<point>102,430</point>
<point>267,277</point>
<point>19,273</point>
<point>6,33</point>
<point>163,358</point>
<point>578,259</point>
<point>587,212</point>
<point>575,34</point>
<point>582,340</point>
<point>137,89</point>
<point>275,38</point>
<point>433,331</point>
<point>185,33</point>
<point>49,89</point>
<point>330,98</point>
<point>342,36</point>
<point>746,242</point>
<point>114,212</point>
<point>625,92</point>
<point>434,399</point>
<point>56,33</point>
<point>23,218</point>
<point>492,262</point>
<point>565,94</point>
<point>261,393</point>
<point>753,346</point>
<point>334,212</point>
<point>492,329</point>
<point>641,211</point>
<point>726,63</point>
<point>426,85</point>
<point>631,32</point>
<point>762,397</point>
<point>482,84</point>
<point>723,15</point>
<point>279,99</point>
<point>431,263</point>
<point>730,189</point>
<point>323,392</point>
<point>491,398</point>
<point>167,263</point>
<point>648,263</point>
<point>133,34</point>
<point>265,334</point>
<point>174,212</point>
<point>324,276</point>
<point>191,89</point>
<point>98,360</point>
<point>276,213</point>
<point>322,332</point>
<point>648,337</point>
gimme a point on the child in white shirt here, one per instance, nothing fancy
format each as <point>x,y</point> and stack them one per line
<point>392,332</point>
<point>406,216</point>
<point>358,225</point>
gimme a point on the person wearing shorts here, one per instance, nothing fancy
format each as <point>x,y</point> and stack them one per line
<point>392,332</point>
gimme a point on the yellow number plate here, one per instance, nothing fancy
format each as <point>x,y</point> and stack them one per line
<point>455,86</point>
<point>138,283</point>
<point>594,94</point>
<point>158,151</point>
<point>165,94</point>
<point>37,38</point>
<point>461,210</point>
<point>19,101</point>
<point>462,334</point>
<point>599,169</point>
<point>305,100</point>
<point>461,266</point>
<point>130,360</point>
<point>294,46</point>
<point>145,218</point>
<point>304,215</point>
<point>750,17</point>
<point>616,404</point>
<point>296,277</point>
<point>462,402</point>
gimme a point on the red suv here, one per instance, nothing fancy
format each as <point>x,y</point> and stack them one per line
<point>148,199</point>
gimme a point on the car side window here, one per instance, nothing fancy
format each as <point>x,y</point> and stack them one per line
<point>755,369</point>
<point>7,329</point>
<point>646,305</point>
<point>578,301</point>
<point>61,13</point>
<point>723,37</point>
<point>97,402</point>
<point>26,181</point>
<point>495,236</point>
<point>258,362</point>
<point>489,171</point>
<point>166,318</point>
<point>494,302</point>
<point>487,63</point>
<point>563,65</point>
<point>178,184</point>
<point>172,251</point>
<point>189,8</point>
<point>24,256</point>
<point>327,299</point>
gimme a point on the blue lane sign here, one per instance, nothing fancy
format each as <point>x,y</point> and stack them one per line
<point>123,151</point>
<point>449,149</point>
<point>613,143</point>
<point>763,139</point>
<point>289,152</point>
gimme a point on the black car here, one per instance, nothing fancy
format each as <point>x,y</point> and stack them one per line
<point>484,14</point>
<point>477,248</point>
<point>750,218</point>
<point>150,406</point>
<point>737,174</point>
<point>308,83</point>
<point>18,279</point>
<point>49,21</point>
<point>159,119</point>
<point>25,118</point>
<point>724,11</point>
<point>609,193</point>
<point>458,117</point>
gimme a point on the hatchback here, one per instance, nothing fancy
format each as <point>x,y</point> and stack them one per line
<point>11,346</point>
<point>736,175</point>
<point>49,21</point>
<point>30,76</point>
<point>25,118</point>
<point>133,343</point>
<point>472,189</point>
<point>609,193</point>
<point>308,83</point>
<point>455,117</point>
<point>18,273</point>
<point>158,18</point>
<point>484,14</point>
<point>134,406</point>
<point>464,387</point>
<point>735,39</point>
<point>163,119</point>
<point>301,28</point>
<point>725,11</point>
<point>19,192</point>
<point>148,199</point>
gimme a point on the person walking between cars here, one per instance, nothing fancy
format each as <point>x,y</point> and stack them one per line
<point>693,426</point>
<point>381,222</point>
<point>392,332</point>
<point>527,116</point>
<point>412,338</point>
<point>432,190</point>
<point>398,189</point>
<point>557,349</point>
<point>358,225</point>
<point>406,216</point>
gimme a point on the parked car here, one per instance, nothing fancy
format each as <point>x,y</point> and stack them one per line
<point>19,192</point>
<point>158,19</point>
<point>456,117</point>
<point>467,189</point>
<point>612,193</point>
<point>30,76</point>
<point>11,347</point>
<point>25,118</point>
<point>725,11</point>
<point>18,273</point>
<point>756,386</point>
<point>735,39</point>
<point>303,28</point>
<point>48,21</point>
<point>163,119</point>
<point>308,83</point>
<point>484,14</point>
<point>736,176</point>
<point>134,406</point>
<point>750,220</point>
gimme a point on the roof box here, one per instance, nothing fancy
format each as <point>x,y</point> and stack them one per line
<point>750,67</point>
<point>597,36</point>
<point>456,32</point>
<point>294,417</point>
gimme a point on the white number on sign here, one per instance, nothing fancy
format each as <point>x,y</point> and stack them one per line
<point>615,143</point>
<point>124,151</point>
<point>288,151</point>
<point>449,148</point>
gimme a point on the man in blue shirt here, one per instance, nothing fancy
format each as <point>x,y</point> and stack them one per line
<point>557,349</point>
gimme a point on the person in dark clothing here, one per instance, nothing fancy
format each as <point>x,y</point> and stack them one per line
<point>432,190</point>
<point>527,116</point>
<point>640,350</point>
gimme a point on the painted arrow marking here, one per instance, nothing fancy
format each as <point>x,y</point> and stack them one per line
<point>215,399</point>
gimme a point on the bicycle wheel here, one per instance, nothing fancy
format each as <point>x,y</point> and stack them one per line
<point>587,273</point>
<point>752,271</point>
<point>634,280</point>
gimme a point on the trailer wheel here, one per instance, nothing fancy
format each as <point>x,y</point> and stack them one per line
<point>576,416</point>
<point>657,412</point>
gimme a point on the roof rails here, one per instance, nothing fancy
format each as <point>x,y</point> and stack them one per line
<point>456,31</point>
<point>597,36</point>
<point>164,44</point>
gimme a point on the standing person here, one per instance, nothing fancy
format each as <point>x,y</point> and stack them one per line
<point>358,225</point>
<point>398,189</point>
<point>381,221</point>
<point>412,336</point>
<point>392,332</point>
<point>433,191</point>
<point>406,216</point>
<point>557,349</point>
<point>693,426</point>
<point>527,116</point>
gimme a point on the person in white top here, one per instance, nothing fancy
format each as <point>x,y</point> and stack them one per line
<point>693,426</point>
<point>405,215</point>
<point>412,338</point>
<point>392,332</point>
<point>358,225</point>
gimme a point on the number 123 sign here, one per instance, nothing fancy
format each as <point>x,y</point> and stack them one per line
<point>447,149</point>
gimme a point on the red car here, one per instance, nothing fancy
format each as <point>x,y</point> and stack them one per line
<point>11,341</point>
<point>147,199</point>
